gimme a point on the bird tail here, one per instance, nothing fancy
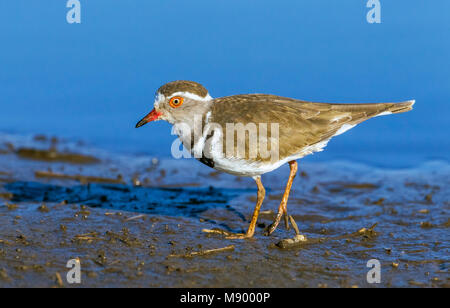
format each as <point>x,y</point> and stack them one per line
<point>363,112</point>
<point>367,111</point>
<point>400,107</point>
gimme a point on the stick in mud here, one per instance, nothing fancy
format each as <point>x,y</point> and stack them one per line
<point>59,280</point>
<point>135,217</point>
<point>203,252</point>
<point>217,231</point>
<point>367,231</point>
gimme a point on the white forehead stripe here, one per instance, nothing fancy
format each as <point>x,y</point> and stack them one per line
<point>192,96</point>
<point>160,97</point>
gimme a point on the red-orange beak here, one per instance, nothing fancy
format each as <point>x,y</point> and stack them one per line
<point>152,116</point>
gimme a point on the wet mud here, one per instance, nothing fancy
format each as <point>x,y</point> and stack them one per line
<point>137,221</point>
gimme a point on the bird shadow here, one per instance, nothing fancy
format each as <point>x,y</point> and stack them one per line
<point>186,202</point>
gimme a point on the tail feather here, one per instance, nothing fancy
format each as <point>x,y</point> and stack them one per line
<point>401,107</point>
<point>374,109</point>
<point>358,113</point>
<point>339,118</point>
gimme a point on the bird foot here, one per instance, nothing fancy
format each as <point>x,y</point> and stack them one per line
<point>286,222</point>
<point>270,229</point>
<point>273,226</point>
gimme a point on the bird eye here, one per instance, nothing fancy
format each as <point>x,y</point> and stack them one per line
<point>176,101</point>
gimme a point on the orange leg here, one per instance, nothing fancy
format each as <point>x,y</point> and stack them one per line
<point>251,229</point>
<point>282,209</point>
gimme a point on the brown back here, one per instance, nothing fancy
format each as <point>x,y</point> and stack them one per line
<point>301,123</point>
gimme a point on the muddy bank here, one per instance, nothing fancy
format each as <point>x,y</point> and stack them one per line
<point>137,221</point>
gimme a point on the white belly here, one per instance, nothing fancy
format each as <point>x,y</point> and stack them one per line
<point>211,149</point>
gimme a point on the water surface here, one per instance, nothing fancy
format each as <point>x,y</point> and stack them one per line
<point>94,80</point>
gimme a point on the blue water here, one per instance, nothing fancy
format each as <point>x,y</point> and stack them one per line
<point>94,80</point>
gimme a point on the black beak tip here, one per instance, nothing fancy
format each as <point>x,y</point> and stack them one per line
<point>140,123</point>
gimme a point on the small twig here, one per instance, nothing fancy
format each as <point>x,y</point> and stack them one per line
<point>87,238</point>
<point>203,252</point>
<point>373,227</point>
<point>370,230</point>
<point>59,280</point>
<point>135,217</point>
<point>217,231</point>
<point>87,234</point>
<point>268,212</point>
<point>92,236</point>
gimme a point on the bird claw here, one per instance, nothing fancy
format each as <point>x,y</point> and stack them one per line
<point>273,226</point>
<point>270,229</point>
<point>286,222</point>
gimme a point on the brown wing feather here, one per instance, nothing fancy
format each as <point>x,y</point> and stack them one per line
<point>301,123</point>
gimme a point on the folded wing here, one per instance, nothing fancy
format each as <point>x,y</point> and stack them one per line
<point>304,127</point>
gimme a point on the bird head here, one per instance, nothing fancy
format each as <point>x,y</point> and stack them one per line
<point>178,102</point>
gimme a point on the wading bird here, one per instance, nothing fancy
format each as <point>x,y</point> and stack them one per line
<point>302,128</point>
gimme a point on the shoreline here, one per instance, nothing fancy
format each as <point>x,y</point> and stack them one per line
<point>138,220</point>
